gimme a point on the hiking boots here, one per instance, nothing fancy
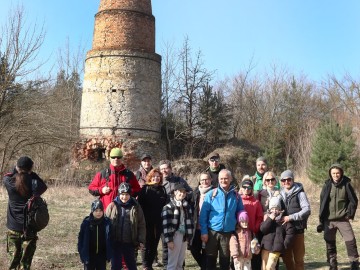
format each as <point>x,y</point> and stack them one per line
<point>354,265</point>
<point>333,264</point>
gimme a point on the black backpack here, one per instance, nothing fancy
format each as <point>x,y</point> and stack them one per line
<point>105,173</point>
<point>36,212</point>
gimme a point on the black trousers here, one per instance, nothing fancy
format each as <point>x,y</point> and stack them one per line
<point>153,233</point>
<point>97,262</point>
<point>197,251</point>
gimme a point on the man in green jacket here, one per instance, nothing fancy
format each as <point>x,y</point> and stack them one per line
<point>338,204</point>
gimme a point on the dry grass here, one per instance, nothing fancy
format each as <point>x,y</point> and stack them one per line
<point>69,205</point>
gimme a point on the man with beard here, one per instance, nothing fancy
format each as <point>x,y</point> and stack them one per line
<point>145,168</point>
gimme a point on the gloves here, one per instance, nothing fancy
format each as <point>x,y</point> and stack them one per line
<point>320,228</point>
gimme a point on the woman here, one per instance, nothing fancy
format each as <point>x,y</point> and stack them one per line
<point>21,184</point>
<point>255,213</point>
<point>270,189</point>
<point>152,199</point>
<point>196,246</point>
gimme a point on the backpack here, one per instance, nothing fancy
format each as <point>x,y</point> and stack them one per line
<point>36,212</point>
<point>105,173</point>
<point>215,190</point>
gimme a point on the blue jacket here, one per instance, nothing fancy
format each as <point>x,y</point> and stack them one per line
<point>218,212</point>
<point>84,240</point>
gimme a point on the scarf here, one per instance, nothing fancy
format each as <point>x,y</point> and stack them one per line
<point>214,169</point>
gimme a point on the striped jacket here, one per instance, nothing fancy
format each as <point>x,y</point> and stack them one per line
<point>171,220</point>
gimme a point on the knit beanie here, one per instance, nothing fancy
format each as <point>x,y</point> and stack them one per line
<point>275,203</point>
<point>97,204</point>
<point>287,174</point>
<point>243,216</point>
<point>124,188</point>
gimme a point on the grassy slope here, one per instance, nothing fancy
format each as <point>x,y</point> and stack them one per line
<point>69,205</point>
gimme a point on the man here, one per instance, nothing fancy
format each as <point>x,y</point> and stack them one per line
<point>106,182</point>
<point>261,169</point>
<point>298,211</point>
<point>214,168</point>
<point>145,168</point>
<point>169,182</point>
<point>218,220</point>
<point>338,204</point>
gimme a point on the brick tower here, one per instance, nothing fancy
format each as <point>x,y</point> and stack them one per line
<point>122,84</point>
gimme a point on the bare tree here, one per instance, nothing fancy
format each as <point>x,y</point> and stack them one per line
<point>192,77</point>
<point>168,97</point>
<point>19,48</point>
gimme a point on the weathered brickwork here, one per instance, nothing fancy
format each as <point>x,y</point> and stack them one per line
<point>124,30</point>
<point>143,6</point>
<point>127,99</point>
<point>121,98</point>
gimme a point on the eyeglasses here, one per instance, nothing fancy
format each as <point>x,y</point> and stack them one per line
<point>271,179</point>
<point>214,160</point>
<point>247,187</point>
<point>116,157</point>
<point>204,179</point>
<point>286,179</point>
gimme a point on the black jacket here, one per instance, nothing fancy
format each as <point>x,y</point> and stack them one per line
<point>325,198</point>
<point>86,242</point>
<point>16,203</point>
<point>215,175</point>
<point>276,237</point>
<point>152,199</point>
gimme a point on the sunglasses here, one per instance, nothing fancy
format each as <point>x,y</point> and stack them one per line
<point>116,157</point>
<point>214,159</point>
<point>247,187</point>
<point>287,179</point>
<point>271,179</point>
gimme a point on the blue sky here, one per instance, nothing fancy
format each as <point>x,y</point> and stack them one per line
<point>315,38</point>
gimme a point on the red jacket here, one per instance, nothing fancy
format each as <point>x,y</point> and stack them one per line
<point>116,177</point>
<point>255,212</point>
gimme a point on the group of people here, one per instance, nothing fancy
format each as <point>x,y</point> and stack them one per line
<point>137,210</point>
<point>246,224</point>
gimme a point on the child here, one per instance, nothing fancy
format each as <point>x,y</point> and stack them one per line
<point>128,229</point>
<point>277,236</point>
<point>240,243</point>
<point>177,227</point>
<point>94,242</point>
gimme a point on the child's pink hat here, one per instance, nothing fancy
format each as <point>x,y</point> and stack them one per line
<point>243,216</point>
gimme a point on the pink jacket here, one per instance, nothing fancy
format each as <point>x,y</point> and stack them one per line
<point>240,244</point>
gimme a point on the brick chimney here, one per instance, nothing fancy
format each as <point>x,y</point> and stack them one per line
<point>122,85</point>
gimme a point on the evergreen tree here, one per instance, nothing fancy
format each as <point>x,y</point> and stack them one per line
<point>214,115</point>
<point>333,144</point>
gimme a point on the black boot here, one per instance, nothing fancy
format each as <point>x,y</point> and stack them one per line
<point>333,263</point>
<point>354,265</point>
